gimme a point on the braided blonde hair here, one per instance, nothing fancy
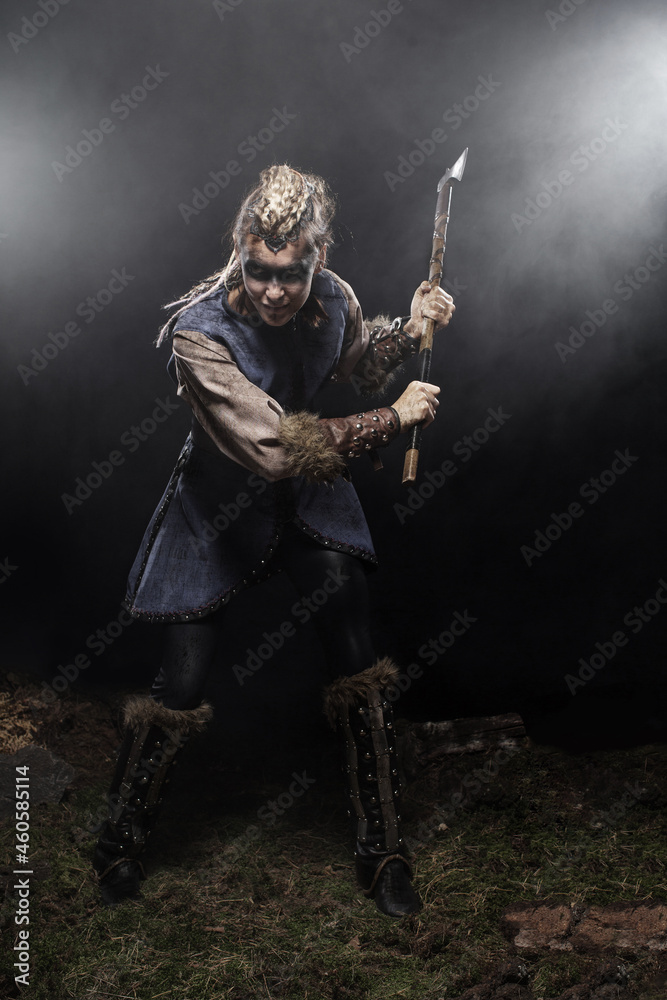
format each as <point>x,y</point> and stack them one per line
<point>285,205</point>
<point>283,199</point>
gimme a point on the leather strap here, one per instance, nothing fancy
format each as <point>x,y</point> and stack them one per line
<point>385,861</point>
<point>122,861</point>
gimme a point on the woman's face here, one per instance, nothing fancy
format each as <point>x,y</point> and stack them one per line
<point>277,284</point>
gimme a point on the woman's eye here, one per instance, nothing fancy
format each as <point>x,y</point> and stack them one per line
<point>253,271</point>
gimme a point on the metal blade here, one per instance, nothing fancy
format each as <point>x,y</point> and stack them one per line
<point>454,173</point>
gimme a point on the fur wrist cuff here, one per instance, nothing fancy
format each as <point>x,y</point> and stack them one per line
<point>309,453</point>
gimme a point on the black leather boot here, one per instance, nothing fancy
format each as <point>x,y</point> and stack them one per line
<point>365,721</point>
<point>153,736</point>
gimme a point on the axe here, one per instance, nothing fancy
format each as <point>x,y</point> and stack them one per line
<point>454,173</point>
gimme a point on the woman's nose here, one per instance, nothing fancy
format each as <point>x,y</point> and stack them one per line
<point>274,289</point>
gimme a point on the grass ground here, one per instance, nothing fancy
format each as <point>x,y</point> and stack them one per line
<point>239,906</point>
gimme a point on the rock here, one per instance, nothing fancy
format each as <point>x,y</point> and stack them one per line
<point>49,777</point>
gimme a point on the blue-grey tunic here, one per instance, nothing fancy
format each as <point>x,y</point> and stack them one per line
<point>220,518</point>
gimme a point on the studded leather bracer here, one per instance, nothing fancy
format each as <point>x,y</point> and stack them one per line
<point>389,347</point>
<point>350,436</point>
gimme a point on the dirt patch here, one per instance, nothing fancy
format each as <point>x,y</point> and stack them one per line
<point>534,927</point>
<point>81,732</point>
<point>622,926</point>
<point>626,928</point>
<point>608,982</point>
<point>17,724</point>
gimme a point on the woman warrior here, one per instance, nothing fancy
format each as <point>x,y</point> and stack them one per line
<point>252,345</point>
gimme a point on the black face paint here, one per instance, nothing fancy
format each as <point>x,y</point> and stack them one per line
<point>293,274</point>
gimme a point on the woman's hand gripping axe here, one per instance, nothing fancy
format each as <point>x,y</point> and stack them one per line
<point>454,173</point>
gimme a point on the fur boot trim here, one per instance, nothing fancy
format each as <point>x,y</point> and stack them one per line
<point>141,710</point>
<point>309,452</point>
<point>346,692</point>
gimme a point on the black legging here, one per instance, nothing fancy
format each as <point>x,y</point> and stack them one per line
<point>342,621</point>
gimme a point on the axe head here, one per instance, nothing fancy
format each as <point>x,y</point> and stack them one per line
<point>454,173</point>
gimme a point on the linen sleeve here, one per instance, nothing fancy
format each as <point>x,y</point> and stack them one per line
<point>241,419</point>
<point>251,428</point>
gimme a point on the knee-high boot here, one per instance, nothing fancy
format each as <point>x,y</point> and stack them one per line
<point>153,736</point>
<point>364,718</point>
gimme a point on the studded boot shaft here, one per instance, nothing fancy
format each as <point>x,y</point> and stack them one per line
<point>144,762</point>
<point>372,770</point>
<point>153,736</point>
<point>365,722</point>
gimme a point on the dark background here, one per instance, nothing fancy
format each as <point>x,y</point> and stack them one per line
<point>555,79</point>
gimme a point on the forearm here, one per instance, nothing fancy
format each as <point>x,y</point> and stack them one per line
<point>251,428</point>
<point>317,446</point>
<point>390,345</point>
<point>362,431</point>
